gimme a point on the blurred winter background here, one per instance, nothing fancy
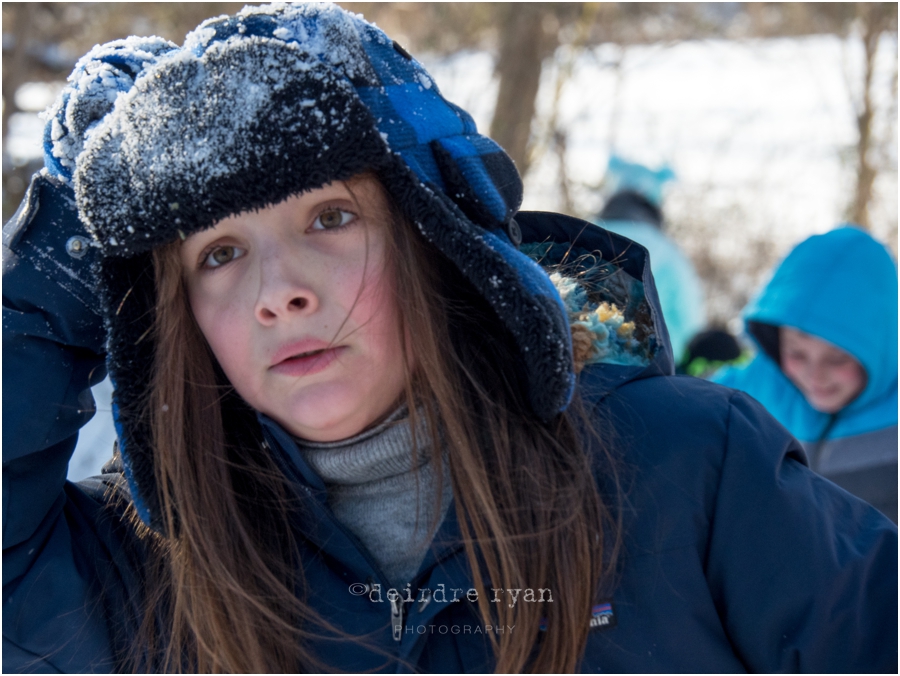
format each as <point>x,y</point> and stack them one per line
<point>779,119</point>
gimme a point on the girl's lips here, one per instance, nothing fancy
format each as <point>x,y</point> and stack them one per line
<point>304,346</point>
<point>309,364</point>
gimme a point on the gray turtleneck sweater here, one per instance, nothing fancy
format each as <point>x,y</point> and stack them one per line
<point>383,493</point>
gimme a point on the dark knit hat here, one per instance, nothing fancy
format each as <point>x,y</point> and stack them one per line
<point>161,141</point>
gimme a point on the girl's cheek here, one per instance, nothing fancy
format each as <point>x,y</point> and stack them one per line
<point>853,376</point>
<point>793,367</point>
<point>218,318</point>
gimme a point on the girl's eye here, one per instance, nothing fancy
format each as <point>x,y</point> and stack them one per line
<point>331,219</point>
<point>221,255</point>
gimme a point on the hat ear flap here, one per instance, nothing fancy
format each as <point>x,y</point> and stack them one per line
<point>480,177</point>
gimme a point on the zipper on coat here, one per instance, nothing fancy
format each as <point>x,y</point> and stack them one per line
<point>397,616</point>
<point>397,603</point>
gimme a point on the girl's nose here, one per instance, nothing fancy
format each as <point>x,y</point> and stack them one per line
<point>283,292</point>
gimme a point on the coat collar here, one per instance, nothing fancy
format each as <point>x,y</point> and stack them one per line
<point>318,524</point>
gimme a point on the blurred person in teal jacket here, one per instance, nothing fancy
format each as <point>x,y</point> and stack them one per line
<point>634,209</point>
<point>826,329</point>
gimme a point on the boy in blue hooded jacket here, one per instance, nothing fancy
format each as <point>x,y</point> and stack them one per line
<point>826,328</point>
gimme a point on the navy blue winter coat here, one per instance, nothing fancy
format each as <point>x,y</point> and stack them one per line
<point>735,556</point>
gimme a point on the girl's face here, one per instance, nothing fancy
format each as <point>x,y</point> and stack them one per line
<point>827,376</point>
<point>299,310</point>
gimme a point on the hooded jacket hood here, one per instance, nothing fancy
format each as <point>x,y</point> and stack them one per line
<point>611,299</point>
<point>841,287</point>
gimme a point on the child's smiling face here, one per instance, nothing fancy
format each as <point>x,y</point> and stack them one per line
<point>299,310</point>
<point>828,377</point>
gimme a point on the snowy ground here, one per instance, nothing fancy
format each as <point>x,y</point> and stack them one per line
<point>760,129</point>
<point>95,440</point>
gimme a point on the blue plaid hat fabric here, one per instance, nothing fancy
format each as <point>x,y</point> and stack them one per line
<point>161,141</point>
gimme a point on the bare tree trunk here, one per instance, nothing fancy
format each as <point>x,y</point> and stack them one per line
<point>873,25</point>
<point>523,46</point>
<point>559,138</point>
<point>615,112</point>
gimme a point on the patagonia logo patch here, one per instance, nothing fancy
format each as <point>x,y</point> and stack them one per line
<point>603,615</point>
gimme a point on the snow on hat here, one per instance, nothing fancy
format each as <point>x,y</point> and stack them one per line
<point>161,141</point>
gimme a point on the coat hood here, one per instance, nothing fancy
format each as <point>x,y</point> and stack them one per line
<point>842,287</point>
<point>610,295</point>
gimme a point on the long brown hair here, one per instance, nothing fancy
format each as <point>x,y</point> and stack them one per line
<point>225,591</point>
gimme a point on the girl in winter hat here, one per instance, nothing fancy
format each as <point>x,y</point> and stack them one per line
<point>830,378</point>
<point>360,427</point>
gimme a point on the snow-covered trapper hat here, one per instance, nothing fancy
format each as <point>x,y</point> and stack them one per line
<point>161,141</point>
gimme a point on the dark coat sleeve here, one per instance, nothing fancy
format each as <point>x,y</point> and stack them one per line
<point>803,574</point>
<point>52,353</point>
